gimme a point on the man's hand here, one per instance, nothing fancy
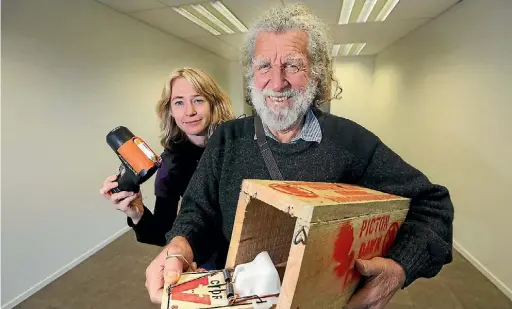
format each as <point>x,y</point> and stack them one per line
<point>164,269</point>
<point>384,277</point>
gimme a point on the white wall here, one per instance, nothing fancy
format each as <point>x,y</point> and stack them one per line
<point>235,87</point>
<point>441,99</point>
<point>72,71</point>
<point>355,77</point>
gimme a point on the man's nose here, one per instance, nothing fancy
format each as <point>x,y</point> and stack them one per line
<point>277,79</point>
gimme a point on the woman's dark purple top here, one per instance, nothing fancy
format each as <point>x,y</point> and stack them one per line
<point>178,165</point>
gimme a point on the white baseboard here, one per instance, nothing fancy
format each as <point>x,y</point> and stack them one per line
<point>63,270</point>
<point>500,285</point>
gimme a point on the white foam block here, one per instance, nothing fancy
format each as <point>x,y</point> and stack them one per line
<point>259,277</point>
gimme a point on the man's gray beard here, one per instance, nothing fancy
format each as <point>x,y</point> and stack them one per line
<point>286,116</point>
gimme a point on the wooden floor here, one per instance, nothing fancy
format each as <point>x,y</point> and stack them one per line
<point>114,278</point>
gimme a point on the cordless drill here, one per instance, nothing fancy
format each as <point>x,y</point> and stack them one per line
<point>138,161</point>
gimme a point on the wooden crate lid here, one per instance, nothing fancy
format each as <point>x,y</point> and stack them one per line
<point>321,201</point>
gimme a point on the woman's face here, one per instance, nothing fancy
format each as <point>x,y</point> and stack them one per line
<point>190,109</point>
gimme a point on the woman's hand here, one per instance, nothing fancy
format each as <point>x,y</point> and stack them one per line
<point>128,202</point>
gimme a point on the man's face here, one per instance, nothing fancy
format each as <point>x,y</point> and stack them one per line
<point>281,89</point>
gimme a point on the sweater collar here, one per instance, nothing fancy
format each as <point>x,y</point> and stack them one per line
<point>310,132</point>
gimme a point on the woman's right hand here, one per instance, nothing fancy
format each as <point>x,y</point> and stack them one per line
<point>128,202</point>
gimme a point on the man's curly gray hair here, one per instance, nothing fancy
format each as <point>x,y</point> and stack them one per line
<point>297,17</point>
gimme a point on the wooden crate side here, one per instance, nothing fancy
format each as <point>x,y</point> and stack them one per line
<point>317,191</point>
<point>330,201</point>
<point>334,192</point>
<point>293,267</point>
<point>236,235</point>
<point>259,227</point>
<point>284,202</point>
<point>357,209</point>
<point>327,276</point>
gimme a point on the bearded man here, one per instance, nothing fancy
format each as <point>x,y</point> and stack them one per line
<point>288,68</point>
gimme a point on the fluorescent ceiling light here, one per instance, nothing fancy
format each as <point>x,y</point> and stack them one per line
<point>347,48</point>
<point>359,48</point>
<point>346,10</point>
<point>229,16</point>
<point>366,10</point>
<point>350,49</point>
<point>199,8</point>
<point>335,49</point>
<point>386,10</point>
<point>196,20</point>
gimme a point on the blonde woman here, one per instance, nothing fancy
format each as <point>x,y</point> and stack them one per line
<point>191,106</point>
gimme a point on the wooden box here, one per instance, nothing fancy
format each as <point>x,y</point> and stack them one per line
<point>314,232</point>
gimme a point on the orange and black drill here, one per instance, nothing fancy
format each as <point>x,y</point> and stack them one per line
<point>138,161</point>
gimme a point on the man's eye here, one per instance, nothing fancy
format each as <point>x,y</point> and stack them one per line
<point>292,68</point>
<point>264,67</point>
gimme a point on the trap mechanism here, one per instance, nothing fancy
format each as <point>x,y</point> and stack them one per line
<point>253,285</point>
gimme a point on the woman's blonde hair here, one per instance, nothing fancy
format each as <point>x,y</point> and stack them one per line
<point>220,105</point>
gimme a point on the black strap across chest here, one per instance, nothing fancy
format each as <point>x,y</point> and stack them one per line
<point>265,150</point>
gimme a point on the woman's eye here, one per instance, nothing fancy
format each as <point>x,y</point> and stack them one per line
<point>178,102</point>
<point>198,101</point>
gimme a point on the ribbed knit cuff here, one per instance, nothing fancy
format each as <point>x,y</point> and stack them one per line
<point>186,231</point>
<point>143,222</point>
<point>412,254</point>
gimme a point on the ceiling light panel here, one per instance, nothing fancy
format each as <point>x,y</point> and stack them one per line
<point>361,11</point>
<point>358,48</point>
<point>335,50</point>
<point>346,11</point>
<point>229,16</point>
<point>212,16</point>
<point>366,10</point>
<point>347,48</point>
<point>350,49</point>
<point>201,10</point>
<point>185,13</point>
<point>386,10</point>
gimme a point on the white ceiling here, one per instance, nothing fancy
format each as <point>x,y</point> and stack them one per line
<point>406,17</point>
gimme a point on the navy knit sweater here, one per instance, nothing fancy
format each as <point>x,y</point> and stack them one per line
<point>348,153</point>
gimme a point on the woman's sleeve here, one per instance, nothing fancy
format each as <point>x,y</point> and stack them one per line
<point>170,182</point>
<point>151,228</point>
